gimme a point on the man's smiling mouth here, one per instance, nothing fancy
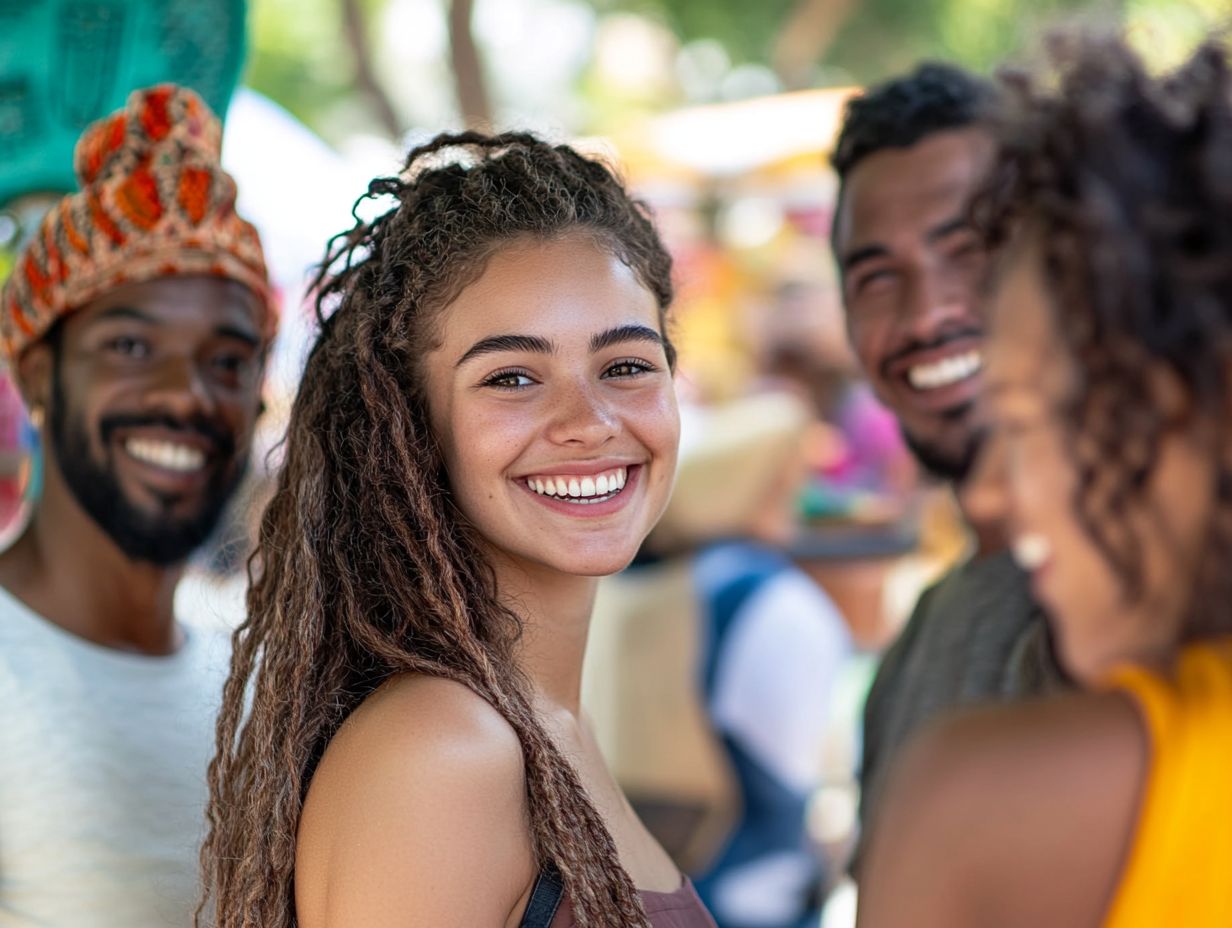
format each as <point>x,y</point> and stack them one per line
<point>946,371</point>
<point>168,455</point>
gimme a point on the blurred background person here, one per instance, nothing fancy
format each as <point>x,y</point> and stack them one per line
<point>859,467</point>
<point>136,322</point>
<point>62,67</point>
<point>15,467</point>
<point>1108,381</point>
<point>910,155</point>
<point>713,665</point>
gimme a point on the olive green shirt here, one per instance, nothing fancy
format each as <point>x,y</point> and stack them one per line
<point>975,637</point>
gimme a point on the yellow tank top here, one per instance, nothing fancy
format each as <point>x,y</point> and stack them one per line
<point>1179,869</point>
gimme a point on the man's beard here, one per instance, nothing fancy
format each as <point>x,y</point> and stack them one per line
<point>952,466</point>
<point>156,538</point>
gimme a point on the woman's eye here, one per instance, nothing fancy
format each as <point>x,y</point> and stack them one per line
<point>629,368</point>
<point>129,347</point>
<point>509,380</point>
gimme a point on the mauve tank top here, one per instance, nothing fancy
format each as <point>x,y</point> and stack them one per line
<point>549,908</point>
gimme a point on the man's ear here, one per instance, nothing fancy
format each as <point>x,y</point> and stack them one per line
<point>33,372</point>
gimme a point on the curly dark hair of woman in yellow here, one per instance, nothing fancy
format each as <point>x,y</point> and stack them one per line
<point>1125,179</point>
<point>365,567</point>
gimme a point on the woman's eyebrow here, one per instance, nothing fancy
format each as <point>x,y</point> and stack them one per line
<point>625,333</point>
<point>494,343</point>
<point>533,343</point>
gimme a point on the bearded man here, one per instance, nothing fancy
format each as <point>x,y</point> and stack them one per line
<point>911,156</point>
<point>136,324</point>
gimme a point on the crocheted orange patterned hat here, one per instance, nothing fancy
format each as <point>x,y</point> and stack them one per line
<point>154,202</point>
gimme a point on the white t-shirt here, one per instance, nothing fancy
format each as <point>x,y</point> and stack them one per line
<point>103,756</point>
<point>775,678</point>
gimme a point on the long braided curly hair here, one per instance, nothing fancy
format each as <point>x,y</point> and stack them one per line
<point>1125,181</point>
<point>364,566</point>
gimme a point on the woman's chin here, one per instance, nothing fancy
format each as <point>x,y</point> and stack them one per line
<point>1089,663</point>
<point>595,564</point>
<point>602,568</point>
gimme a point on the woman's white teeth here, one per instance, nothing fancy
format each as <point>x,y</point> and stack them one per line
<point>166,454</point>
<point>585,488</point>
<point>945,372</point>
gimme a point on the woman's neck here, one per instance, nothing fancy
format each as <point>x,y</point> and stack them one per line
<point>555,610</point>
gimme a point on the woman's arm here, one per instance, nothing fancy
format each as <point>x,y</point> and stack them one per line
<point>1016,816</point>
<point>416,816</point>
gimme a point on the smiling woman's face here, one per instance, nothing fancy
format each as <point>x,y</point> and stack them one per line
<point>1028,476</point>
<point>551,396</point>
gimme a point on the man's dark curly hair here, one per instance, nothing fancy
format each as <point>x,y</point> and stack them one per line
<point>1125,182</point>
<point>934,97</point>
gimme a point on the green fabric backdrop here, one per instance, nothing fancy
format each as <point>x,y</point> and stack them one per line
<point>64,63</point>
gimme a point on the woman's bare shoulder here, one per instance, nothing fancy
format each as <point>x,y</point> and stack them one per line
<point>1010,815</point>
<point>417,807</point>
<point>412,711</point>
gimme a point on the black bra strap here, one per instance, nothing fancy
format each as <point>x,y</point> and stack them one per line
<point>544,900</point>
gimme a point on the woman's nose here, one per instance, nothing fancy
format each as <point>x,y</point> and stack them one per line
<point>582,417</point>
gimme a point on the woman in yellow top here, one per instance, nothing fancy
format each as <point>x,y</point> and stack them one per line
<point>1109,387</point>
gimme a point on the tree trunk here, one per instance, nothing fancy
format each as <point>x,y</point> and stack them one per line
<point>355,27</point>
<point>806,35</point>
<point>469,82</point>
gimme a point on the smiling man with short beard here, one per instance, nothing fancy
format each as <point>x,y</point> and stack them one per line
<point>911,155</point>
<point>136,324</point>
<point>158,537</point>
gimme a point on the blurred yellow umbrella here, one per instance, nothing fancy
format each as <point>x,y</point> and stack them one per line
<point>724,140</point>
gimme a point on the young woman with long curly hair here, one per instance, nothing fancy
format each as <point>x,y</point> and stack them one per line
<point>486,424</point>
<point>1109,379</point>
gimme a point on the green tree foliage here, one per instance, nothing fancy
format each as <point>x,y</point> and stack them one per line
<point>888,36</point>
<point>875,38</point>
<point>298,56</point>
<point>301,56</point>
<point>746,28</point>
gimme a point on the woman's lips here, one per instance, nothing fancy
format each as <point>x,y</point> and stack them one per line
<point>592,505</point>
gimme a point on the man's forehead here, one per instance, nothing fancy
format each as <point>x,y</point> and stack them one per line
<point>197,301</point>
<point>898,192</point>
